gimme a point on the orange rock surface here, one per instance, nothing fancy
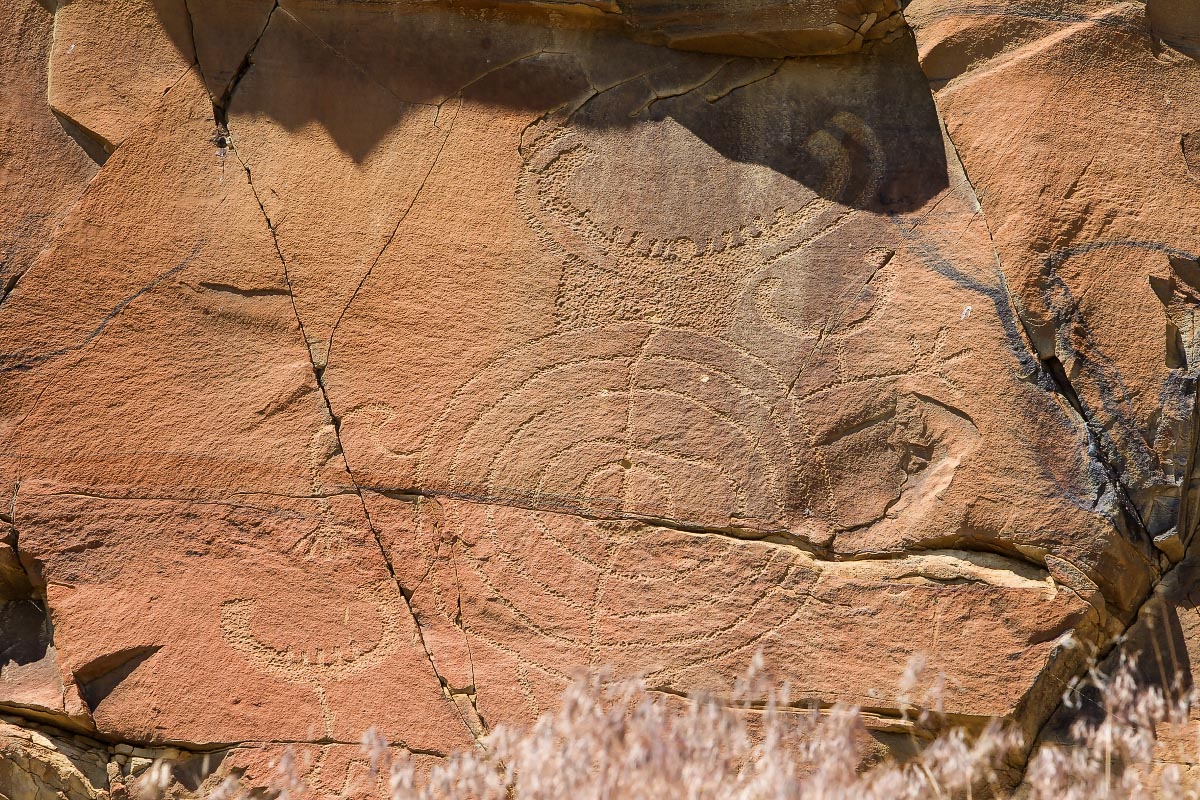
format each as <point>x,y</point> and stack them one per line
<point>388,363</point>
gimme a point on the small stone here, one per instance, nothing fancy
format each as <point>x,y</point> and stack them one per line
<point>1171,544</point>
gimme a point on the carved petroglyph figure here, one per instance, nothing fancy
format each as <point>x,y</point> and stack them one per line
<point>666,258</point>
<point>602,417</point>
<point>576,590</point>
<point>368,634</point>
<point>677,382</point>
<point>687,407</point>
<point>329,536</point>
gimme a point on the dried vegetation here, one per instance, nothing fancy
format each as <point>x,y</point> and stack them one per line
<point>621,740</point>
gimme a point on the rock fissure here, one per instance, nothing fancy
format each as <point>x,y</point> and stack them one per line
<point>907,718</point>
<point>964,551</point>
<point>191,30</point>
<point>1103,449</point>
<point>391,236</point>
<point>336,423</point>
<point>472,692</point>
<point>738,86</point>
<point>349,61</point>
<point>20,361</point>
<point>221,105</point>
<point>221,101</point>
<point>580,104</point>
<point>727,352</point>
<point>1057,377</point>
<point>704,81</point>
<point>1099,446</point>
<point>1185,527</point>
<point>786,538</point>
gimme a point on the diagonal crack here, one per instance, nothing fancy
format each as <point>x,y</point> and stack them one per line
<point>10,285</point>
<point>473,695</point>
<point>98,740</point>
<point>730,90</point>
<point>336,422</point>
<point>243,67</point>
<point>345,59</point>
<point>704,81</point>
<point>191,26</point>
<point>1052,374</point>
<point>221,104</point>
<point>21,362</point>
<point>387,243</point>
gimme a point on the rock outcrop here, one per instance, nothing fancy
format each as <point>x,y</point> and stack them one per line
<point>385,363</point>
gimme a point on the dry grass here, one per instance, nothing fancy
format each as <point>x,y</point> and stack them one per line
<point>616,740</point>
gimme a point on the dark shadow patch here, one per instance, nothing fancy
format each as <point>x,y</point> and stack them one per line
<point>98,678</point>
<point>1158,646</point>
<point>25,633</point>
<point>1189,143</point>
<point>91,143</point>
<point>192,771</point>
<point>228,289</point>
<point>359,71</point>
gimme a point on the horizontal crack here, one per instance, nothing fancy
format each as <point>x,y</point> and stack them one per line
<point>977,563</point>
<point>548,505</point>
<point>99,740</point>
<point>903,715</point>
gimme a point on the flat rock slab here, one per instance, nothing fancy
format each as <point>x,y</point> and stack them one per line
<point>514,602</point>
<point>1119,242</point>
<point>43,168</point>
<point>217,622</point>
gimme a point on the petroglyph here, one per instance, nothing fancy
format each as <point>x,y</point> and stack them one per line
<point>645,359</point>
<point>789,298</point>
<point>893,457</point>
<point>602,418</point>
<point>660,415</point>
<point>687,408</point>
<point>668,258</point>
<point>330,536</point>
<point>368,634</point>
<point>574,586</point>
<point>537,595</point>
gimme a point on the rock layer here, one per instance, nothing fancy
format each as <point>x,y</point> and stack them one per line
<point>402,359</point>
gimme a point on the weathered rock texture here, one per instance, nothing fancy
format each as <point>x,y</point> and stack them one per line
<point>386,363</point>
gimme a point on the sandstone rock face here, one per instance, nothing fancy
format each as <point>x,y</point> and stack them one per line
<point>387,363</point>
<point>43,171</point>
<point>1117,244</point>
<point>1095,226</point>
